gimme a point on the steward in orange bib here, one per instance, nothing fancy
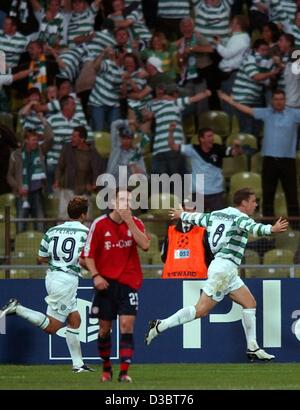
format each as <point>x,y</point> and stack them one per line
<point>186,252</point>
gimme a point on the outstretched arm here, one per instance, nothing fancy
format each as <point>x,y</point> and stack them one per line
<point>200,96</point>
<point>194,218</point>
<point>257,229</point>
<point>241,107</point>
<point>281,225</point>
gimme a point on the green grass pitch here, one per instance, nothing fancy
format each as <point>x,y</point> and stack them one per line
<point>154,377</point>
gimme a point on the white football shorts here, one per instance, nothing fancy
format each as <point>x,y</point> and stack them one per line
<point>62,292</point>
<point>222,278</point>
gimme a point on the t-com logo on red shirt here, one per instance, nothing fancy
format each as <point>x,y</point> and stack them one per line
<point>120,244</point>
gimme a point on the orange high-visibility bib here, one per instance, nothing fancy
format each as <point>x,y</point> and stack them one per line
<point>186,255</point>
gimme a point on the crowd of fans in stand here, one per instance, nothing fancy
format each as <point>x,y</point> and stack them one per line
<point>74,68</point>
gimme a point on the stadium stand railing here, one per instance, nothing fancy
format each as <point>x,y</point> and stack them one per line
<point>268,257</point>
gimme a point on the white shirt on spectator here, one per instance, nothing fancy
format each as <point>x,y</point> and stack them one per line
<point>235,50</point>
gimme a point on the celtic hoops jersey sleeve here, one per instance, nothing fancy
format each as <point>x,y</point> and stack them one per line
<point>228,230</point>
<point>63,244</point>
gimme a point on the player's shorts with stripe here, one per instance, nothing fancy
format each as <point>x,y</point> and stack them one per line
<point>117,299</point>
<point>62,292</point>
<point>223,278</point>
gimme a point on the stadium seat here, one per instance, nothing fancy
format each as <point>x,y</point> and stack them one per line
<point>24,258</point>
<point>154,272</point>
<point>37,273</point>
<point>154,243</point>
<point>280,207</point>
<point>148,161</point>
<point>51,203</point>
<point>188,125</point>
<point>155,224</point>
<point>156,259</point>
<point>233,165</point>
<point>248,141</point>
<point>217,139</point>
<point>154,247</point>
<point>103,143</point>
<point>246,179</point>
<point>164,202</point>
<point>145,258</point>
<point>256,163</point>
<point>28,242</point>
<point>95,211</point>
<point>7,120</point>
<point>251,258</point>
<point>218,121</point>
<point>16,274</point>
<point>8,200</point>
<point>2,241</point>
<point>279,257</point>
<point>2,229</point>
<point>235,125</point>
<point>19,274</point>
<point>288,240</point>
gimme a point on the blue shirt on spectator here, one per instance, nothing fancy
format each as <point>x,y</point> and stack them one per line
<point>280,131</point>
<point>208,164</point>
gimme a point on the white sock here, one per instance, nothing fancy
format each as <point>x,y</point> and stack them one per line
<point>72,339</point>
<point>182,316</point>
<point>249,325</point>
<point>34,317</point>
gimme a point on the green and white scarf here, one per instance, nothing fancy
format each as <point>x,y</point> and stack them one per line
<point>139,148</point>
<point>32,168</point>
<point>189,71</point>
<point>38,77</point>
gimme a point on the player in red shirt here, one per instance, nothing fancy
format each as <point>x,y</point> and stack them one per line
<point>110,254</point>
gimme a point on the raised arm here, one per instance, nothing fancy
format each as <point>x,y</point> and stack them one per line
<point>241,107</point>
<point>139,95</point>
<point>200,96</point>
<point>141,238</point>
<point>114,131</point>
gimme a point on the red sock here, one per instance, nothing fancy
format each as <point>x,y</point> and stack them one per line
<point>126,352</point>
<point>104,348</point>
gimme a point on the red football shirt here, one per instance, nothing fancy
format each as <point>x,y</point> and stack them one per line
<point>114,251</point>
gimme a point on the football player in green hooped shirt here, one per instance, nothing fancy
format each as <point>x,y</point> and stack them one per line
<point>228,231</point>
